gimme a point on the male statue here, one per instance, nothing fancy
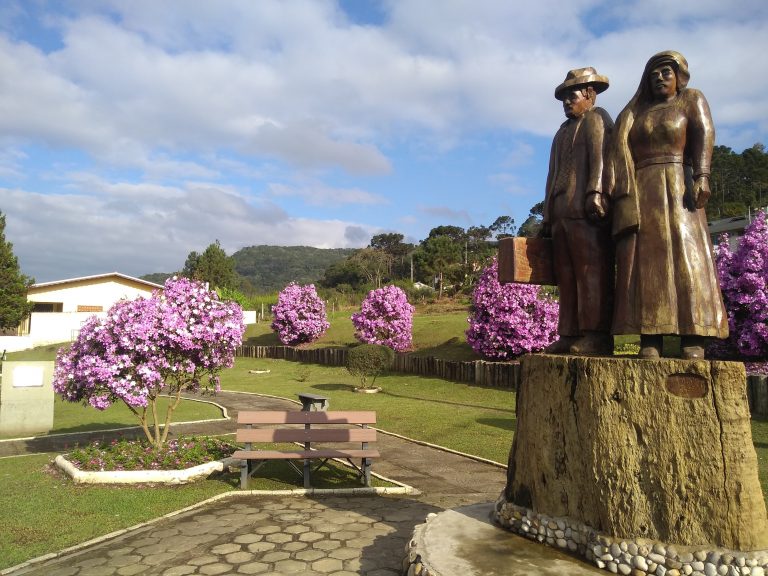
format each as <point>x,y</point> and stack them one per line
<point>575,216</point>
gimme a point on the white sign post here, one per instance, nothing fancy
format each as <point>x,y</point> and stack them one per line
<point>26,398</point>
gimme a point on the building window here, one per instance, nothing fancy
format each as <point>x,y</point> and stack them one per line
<point>48,307</point>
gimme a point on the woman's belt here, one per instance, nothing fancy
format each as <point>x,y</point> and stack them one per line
<point>664,159</point>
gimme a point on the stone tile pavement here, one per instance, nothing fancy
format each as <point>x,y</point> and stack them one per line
<point>329,535</point>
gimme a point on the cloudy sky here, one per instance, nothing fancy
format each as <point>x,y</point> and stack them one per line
<point>135,131</point>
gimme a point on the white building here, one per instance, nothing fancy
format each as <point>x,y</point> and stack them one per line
<point>733,226</point>
<point>62,306</point>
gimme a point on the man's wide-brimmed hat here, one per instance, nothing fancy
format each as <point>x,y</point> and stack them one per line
<point>582,77</point>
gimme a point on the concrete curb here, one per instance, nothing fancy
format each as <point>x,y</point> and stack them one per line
<point>169,477</point>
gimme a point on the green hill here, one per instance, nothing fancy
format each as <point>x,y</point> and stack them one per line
<point>157,277</point>
<point>270,268</point>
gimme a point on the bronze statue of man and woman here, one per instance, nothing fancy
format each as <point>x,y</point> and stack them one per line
<point>624,207</point>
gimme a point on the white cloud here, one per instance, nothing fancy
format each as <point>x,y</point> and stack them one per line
<point>10,163</point>
<point>134,132</point>
<point>311,146</point>
<point>520,154</point>
<point>320,195</point>
<point>137,229</point>
<point>510,183</point>
<point>357,235</point>
<point>298,82</point>
<point>446,212</point>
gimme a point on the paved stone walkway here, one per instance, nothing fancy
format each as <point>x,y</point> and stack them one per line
<point>320,535</point>
<point>339,536</point>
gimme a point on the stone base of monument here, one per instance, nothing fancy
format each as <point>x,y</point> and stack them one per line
<point>465,542</point>
<point>640,466</point>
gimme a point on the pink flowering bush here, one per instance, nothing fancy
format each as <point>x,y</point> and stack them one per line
<point>177,340</point>
<point>744,282</point>
<point>385,318</point>
<point>510,319</point>
<point>299,315</point>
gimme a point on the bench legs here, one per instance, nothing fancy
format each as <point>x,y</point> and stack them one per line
<point>306,472</point>
<point>244,475</point>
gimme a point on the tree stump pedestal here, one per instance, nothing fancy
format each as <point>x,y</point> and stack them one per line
<point>636,464</point>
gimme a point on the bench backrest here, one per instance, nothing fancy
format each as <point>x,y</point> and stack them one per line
<point>302,417</point>
<point>306,434</point>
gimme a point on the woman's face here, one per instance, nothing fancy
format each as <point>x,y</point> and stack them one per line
<point>663,82</point>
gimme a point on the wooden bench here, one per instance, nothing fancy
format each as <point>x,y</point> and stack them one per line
<point>318,427</point>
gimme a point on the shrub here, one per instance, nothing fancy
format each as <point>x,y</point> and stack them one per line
<point>510,319</point>
<point>177,340</point>
<point>369,360</point>
<point>299,315</point>
<point>743,279</point>
<point>385,318</point>
<point>234,295</point>
<point>303,372</point>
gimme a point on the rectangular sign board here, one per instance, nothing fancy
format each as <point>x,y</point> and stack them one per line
<point>26,376</point>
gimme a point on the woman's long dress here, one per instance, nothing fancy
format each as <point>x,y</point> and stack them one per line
<point>666,279</point>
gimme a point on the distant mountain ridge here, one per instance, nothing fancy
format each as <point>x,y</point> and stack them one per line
<point>270,268</point>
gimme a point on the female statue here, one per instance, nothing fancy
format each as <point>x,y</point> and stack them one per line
<point>666,280</point>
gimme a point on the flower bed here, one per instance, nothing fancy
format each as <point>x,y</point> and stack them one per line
<point>136,455</point>
<point>179,461</point>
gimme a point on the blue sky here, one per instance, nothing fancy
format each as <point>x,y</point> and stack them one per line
<point>136,132</point>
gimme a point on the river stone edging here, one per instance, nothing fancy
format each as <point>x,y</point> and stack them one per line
<point>629,557</point>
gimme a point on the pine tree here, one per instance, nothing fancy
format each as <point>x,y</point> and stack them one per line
<point>14,306</point>
<point>212,266</point>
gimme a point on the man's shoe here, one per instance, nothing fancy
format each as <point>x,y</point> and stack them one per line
<point>593,344</point>
<point>561,346</point>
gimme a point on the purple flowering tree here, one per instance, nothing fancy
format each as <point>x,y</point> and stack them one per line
<point>743,280</point>
<point>510,319</point>
<point>385,318</point>
<point>299,315</point>
<point>177,340</point>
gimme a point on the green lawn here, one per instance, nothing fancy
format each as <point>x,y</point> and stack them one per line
<point>61,514</point>
<point>462,417</point>
<point>37,354</point>
<point>74,417</point>
<point>439,333</point>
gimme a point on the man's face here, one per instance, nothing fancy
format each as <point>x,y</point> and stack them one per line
<point>575,103</point>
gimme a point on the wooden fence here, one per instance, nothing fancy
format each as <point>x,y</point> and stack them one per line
<point>757,394</point>
<point>478,372</point>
